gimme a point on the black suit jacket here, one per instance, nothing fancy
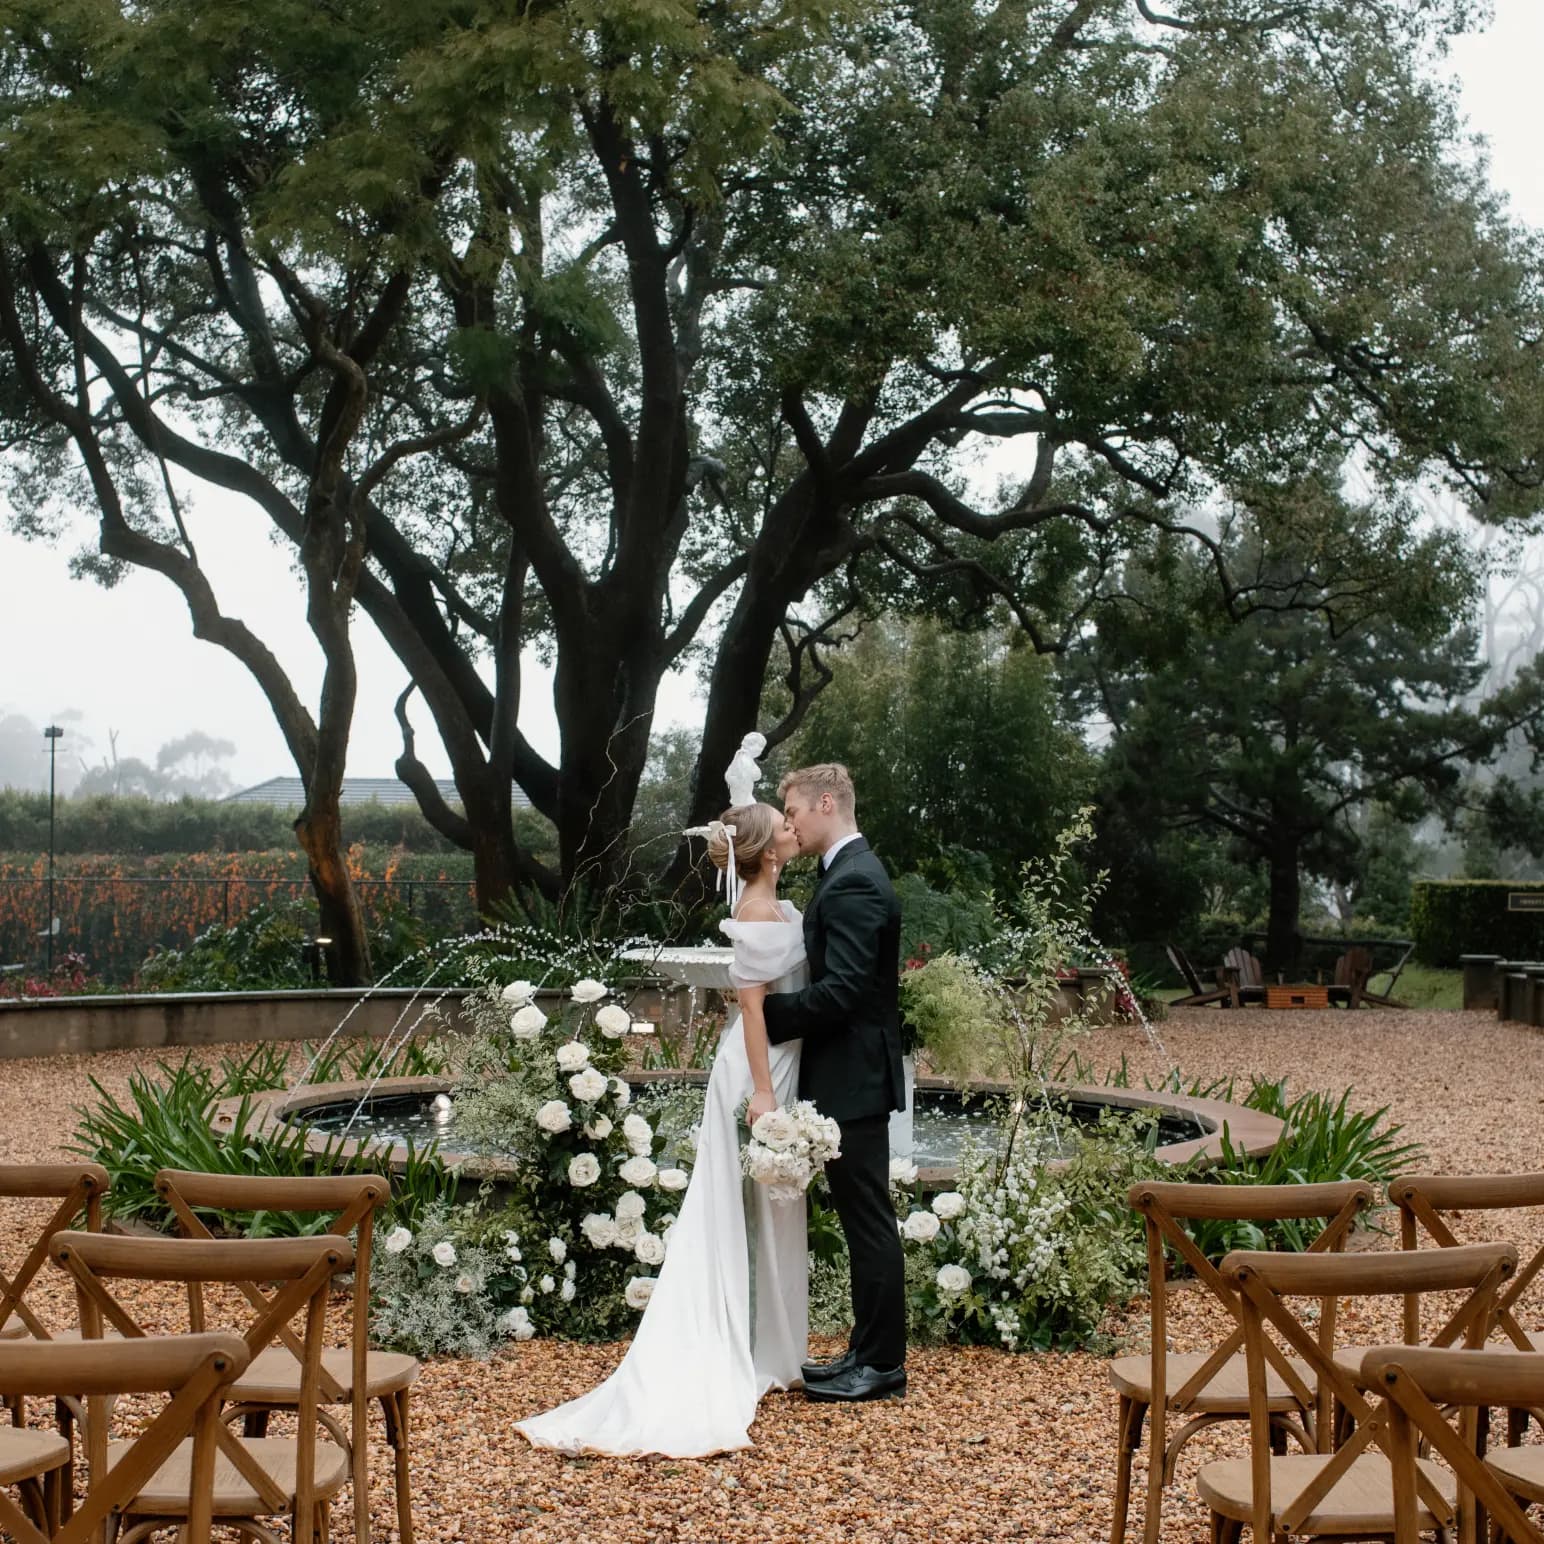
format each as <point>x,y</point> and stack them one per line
<point>848,1016</point>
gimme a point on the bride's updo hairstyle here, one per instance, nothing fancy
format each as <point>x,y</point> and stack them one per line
<point>754,827</point>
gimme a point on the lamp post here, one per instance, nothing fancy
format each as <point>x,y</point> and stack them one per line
<point>53,734</point>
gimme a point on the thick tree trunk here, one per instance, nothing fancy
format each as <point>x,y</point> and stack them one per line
<point>1283,943</point>
<point>320,834</point>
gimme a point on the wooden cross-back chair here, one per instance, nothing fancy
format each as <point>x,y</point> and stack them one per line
<point>351,1375</point>
<point>1346,1493</point>
<point>1204,1388</point>
<point>254,1477</point>
<point>78,1188</point>
<point>193,1370</point>
<point>1418,1386</point>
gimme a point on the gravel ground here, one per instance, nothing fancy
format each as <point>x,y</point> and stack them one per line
<point>987,1445</point>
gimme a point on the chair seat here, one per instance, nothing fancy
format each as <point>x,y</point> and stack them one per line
<point>25,1454</point>
<point>1520,1469</point>
<point>13,1329</point>
<point>71,1336</point>
<point>1361,1501</point>
<point>166,1492</point>
<point>1226,1394</point>
<point>273,1378</point>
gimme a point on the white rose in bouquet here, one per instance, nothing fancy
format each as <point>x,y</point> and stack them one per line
<point>622,1093</point>
<point>638,1170</point>
<point>903,1171</point>
<point>528,1023</point>
<point>629,1231</point>
<point>638,1133</point>
<point>517,1322</point>
<point>444,1253</point>
<point>673,1179</point>
<point>599,1129</point>
<point>566,1291</point>
<point>583,1169</point>
<point>921,1227</point>
<point>512,1252</point>
<point>547,1284</point>
<point>587,991</point>
<point>613,1021</point>
<point>639,1290</point>
<point>775,1129</point>
<point>587,1086</point>
<point>949,1204</point>
<point>398,1240</point>
<point>554,1117</point>
<point>599,1230</point>
<point>953,1279</point>
<point>572,1055</point>
<point>465,1284</point>
<point>649,1249</point>
<point>518,993</point>
<point>630,1204</point>
<point>570,1270</point>
<point>558,1250</point>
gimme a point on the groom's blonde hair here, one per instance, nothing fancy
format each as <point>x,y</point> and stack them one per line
<point>824,777</point>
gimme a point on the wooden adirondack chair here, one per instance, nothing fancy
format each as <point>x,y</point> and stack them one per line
<point>1200,996</point>
<point>1245,977</point>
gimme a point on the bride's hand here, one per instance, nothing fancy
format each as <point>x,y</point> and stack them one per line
<point>762,1102</point>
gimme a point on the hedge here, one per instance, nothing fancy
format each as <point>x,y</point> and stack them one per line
<point>1450,917</point>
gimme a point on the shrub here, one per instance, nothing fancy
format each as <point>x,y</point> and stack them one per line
<point>1450,917</point>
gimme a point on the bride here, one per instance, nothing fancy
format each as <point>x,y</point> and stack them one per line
<point>729,1317</point>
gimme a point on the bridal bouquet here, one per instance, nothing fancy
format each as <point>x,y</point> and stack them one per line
<point>786,1148</point>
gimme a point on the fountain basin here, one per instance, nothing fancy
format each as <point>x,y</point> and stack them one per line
<point>1189,1128</point>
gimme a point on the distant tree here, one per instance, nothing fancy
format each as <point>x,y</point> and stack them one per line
<point>956,742</point>
<point>1277,727</point>
<point>185,767</point>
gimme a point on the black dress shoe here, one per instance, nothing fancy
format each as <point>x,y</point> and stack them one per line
<point>858,1383</point>
<point>821,1372</point>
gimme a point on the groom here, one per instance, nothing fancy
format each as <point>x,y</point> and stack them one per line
<point>850,1067</point>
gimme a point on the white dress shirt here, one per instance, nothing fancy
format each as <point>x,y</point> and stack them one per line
<point>835,847</point>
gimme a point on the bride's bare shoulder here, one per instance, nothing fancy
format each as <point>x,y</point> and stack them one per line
<point>759,911</point>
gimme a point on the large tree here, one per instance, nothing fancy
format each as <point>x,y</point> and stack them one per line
<point>696,313</point>
<point>1279,728</point>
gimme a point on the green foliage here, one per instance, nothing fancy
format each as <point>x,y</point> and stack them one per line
<point>259,951</point>
<point>957,1014</point>
<point>165,1123</point>
<point>1452,917</point>
<point>952,914</point>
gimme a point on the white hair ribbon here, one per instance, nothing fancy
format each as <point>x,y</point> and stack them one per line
<point>729,875</point>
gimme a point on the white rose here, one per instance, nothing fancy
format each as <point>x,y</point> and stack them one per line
<point>512,1251</point>
<point>572,1055</point>
<point>599,1230</point>
<point>638,1133</point>
<point>587,991</point>
<point>775,1129</point>
<point>583,1169</point>
<point>554,1117</point>
<point>629,1229</point>
<point>649,1248</point>
<point>566,1291</point>
<point>570,1270</point>
<point>558,1250</point>
<point>465,1284</point>
<point>398,1240</point>
<point>518,993</point>
<point>587,1086</point>
<point>624,1095</point>
<point>547,1284</point>
<point>528,1294</point>
<point>613,1021</point>
<point>599,1129</point>
<point>517,1322</point>
<point>630,1204</point>
<point>639,1290</point>
<point>444,1253</point>
<point>949,1204</point>
<point>921,1227</point>
<point>953,1279</point>
<point>903,1171</point>
<point>673,1179</point>
<point>528,1023</point>
<point>638,1170</point>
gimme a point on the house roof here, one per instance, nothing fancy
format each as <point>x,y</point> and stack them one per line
<point>290,793</point>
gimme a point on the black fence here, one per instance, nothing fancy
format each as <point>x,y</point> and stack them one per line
<point>116,922</point>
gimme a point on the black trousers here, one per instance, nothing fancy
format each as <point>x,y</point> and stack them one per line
<point>860,1189</point>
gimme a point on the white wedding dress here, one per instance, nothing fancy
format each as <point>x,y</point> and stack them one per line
<point>729,1317</point>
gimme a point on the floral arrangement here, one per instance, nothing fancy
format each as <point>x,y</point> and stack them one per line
<point>596,1181</point>
<point>787,1149</point>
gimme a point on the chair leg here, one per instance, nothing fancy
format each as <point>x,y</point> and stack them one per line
<point>359,1465</point>
<point>397,1408</point>
<point>1128,1434</point>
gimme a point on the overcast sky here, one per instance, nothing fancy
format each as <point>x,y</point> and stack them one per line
<point>126,659</point>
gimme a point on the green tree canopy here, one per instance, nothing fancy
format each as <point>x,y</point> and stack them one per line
<point>653,334</point>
